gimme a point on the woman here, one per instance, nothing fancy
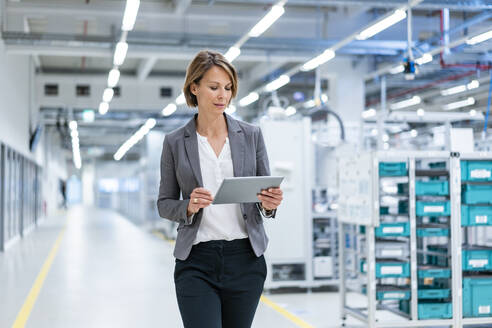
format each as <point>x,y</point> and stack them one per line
<point>220,269</point>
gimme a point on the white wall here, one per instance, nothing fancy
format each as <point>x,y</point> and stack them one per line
<point>15,75</point>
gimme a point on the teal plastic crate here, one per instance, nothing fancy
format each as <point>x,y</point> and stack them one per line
<point>438,165</point>
<point>394,229</point>
<point>433,272</point>
<point>388,269</point>
<point>432,230</point>
<point>476,170</point>
<point>434,293</point>
<point>433,208</point>
<point>440,261</point>
<point>432,188</point>
<point>403,207</point>
<point>477,258</point>
<point>392,169</point>
<point>477,194</point>
<point>383,210</point>
<point>403,188</point>
<point>392,293</point>
<point>392,269</point>
<point>477,296</point>
<point>435,310</point>
<point>476,215</point>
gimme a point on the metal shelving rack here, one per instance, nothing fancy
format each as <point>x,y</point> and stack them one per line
<point>362,175</point>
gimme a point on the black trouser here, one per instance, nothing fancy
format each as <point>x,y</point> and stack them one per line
<point>219,284</point>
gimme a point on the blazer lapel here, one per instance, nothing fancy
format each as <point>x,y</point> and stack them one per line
<point>236,142</point>
<point>191,146</point>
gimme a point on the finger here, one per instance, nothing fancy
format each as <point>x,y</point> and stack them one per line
<point>270,200</point>
<point>271,195</point>
<point>203,193</point>
<point>276,191</point>
<point>268,206</point>
<point>202,190</point>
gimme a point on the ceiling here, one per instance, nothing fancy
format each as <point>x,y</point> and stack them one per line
<point>77,37</point>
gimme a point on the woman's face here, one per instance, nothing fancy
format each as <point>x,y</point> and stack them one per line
<point>213,92</point>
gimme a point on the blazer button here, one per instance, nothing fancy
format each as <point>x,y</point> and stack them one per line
<point>244,216</point>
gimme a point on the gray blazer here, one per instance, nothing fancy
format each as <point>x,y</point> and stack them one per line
<point>180,174</point>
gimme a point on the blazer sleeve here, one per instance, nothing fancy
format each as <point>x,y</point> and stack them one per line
<point>169,204</point>
<point>262,168</point>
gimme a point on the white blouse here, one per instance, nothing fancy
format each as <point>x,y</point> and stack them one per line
<point>224,221</point>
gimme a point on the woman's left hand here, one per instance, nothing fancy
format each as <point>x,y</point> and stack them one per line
<point>271,198</point>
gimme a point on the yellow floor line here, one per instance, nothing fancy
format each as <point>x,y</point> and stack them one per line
<point>26,309</point>
<point>298,321</point>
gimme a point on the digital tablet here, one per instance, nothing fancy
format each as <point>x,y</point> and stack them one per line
<point>244,189</point>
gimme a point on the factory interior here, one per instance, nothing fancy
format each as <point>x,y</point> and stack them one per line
<point>375,113</point>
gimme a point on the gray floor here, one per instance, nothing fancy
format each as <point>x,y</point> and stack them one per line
<point>110,273</point>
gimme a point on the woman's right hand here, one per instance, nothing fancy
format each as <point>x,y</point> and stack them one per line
<point>199,198</point>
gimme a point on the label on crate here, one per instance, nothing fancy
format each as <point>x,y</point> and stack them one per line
<point>364,267</point>
<point>392,229</point>
<point>478,263</point>
<point>484,309</point>
<point>480,173</point>
<point>481,219</point>
<point>434,209</point>
<point>391,270</point>
<point>392,252</point>
<point>394,295</point>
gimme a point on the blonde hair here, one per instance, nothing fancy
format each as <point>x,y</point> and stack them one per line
<point>203,61</point>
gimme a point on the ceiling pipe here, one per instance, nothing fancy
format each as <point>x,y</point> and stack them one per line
<point>477,66</point>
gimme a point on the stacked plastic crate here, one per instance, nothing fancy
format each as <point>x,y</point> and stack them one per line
<point>476,213</point>
<point>433,241</point>
<point>392,235</point>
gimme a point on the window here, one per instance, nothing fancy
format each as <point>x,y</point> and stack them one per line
<point>117,91</point>
<point>51,89</point>
<point>166,92</point>
<point>83,90</point>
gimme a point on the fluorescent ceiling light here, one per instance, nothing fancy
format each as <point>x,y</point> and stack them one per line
<point>420,112</point>
<point>289,111</point>
<point>397,69</point>
<point>462,103</point>
<point>426,58</point>
<point>74,134</point>
<point>374,132</point>
<point>150,123</point>
<point>368,113</point>
<point>120,53</point>
<point>480,38</point>
<point>415,100</point>
<point>169,109</point>
<point>385,138</point>
<point>231,109</point>
<point>278,83</point>
<point>249,99</point>
<point>113,77</point>
<point>103,108</point>
<point>130,16</point>
<point>460,88</point>
<point>473,112</point>
<point>72,125</point>
<point>232,53</point>
<point>180,100</point>
<point>327,55</point>
<point>383,24</point>
<point>108,95</point>
<point>267,21</point>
